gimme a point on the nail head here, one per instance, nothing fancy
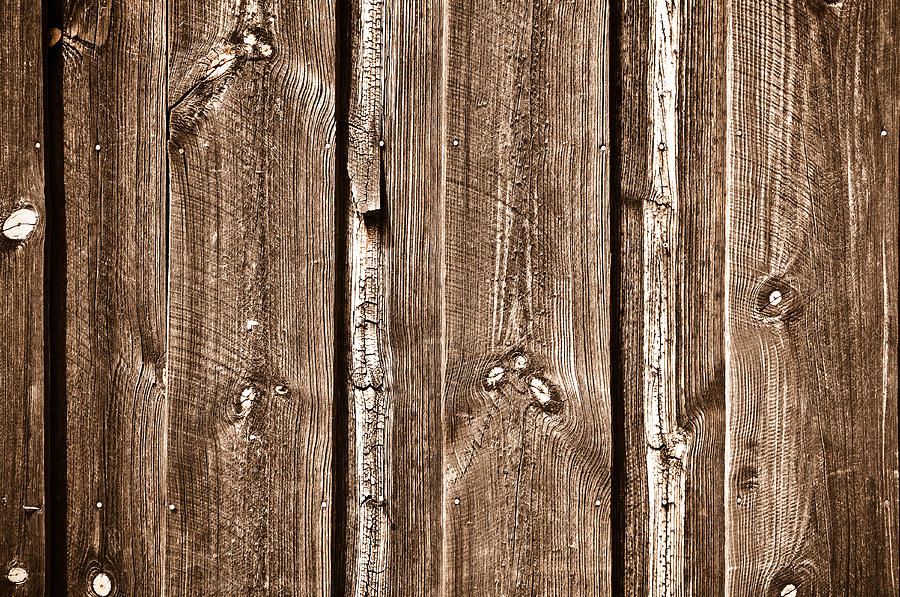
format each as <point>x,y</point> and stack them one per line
<point>775,298</point>
<point>789,591</point>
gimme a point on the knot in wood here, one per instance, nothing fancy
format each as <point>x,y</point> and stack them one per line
<point>17,575</point>
<point>101,584</point>
<point>20,224</point>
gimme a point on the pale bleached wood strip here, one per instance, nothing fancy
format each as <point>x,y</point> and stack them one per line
<point>251,328</point>
<point>22,230</point>
<point>812,491</point>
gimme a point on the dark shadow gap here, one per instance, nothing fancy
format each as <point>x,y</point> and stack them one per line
<point>341,403</point>
<point>617,397</point>
<point>54,306</point>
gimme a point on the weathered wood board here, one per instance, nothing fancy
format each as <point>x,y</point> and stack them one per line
<point>22,217</point>
<point>114,179</point>
<point>394,516</point>
<point>811,387</point>
<point>251,315</point>
<point>670,297</point>
<point>463,298</point>
<point>526,408</point>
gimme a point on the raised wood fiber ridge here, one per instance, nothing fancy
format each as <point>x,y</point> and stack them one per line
<point>483,297</point>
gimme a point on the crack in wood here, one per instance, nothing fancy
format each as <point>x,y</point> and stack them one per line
<point>370,403</point>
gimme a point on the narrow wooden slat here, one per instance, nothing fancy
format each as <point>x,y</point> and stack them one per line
<point>812,490</point>
<point>408,316</point>
<point>113,111</point>
<point>700,293</point>
<point>251,154</point>
<point>526,283</point>
<point>21,303</point>
<point>670,293</point>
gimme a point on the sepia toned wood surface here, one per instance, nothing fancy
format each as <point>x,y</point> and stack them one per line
<point>114,314</point>
<point>251,297</point>
<point>22,233</point>
<point>494,297</point>
<point>526,409</point>
<point>811,342</point>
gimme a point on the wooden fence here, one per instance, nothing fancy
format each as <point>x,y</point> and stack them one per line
<point>449,297</point>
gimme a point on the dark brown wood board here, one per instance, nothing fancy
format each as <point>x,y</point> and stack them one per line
<point>526,410</point>
<point>22,217</point>
<point>811,385</point>
<point>252,265</point>
<point>114,123</point>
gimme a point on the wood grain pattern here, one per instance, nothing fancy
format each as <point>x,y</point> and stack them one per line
<point>526,394</point>
<point>812,485</point>
<point>396,486</point>
<point>671,227</point>
<point>114,122</point>
<point>252,265</point>
<point>21,302</point>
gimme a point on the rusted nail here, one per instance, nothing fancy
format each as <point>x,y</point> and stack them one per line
<point>20,223</point>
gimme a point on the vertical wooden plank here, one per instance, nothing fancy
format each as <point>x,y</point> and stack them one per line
<point>631,142</point>
<point>113,109</point>
<point>393,539</point>
<point>526,394</point>
<point>251,155</point>
<point>670,289</point>
<point>812,483</point>
<point>699,251</point>
<point>21,303</point>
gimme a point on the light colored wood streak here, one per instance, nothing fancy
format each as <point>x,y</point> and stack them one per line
<point>367,105</point>
<point>371,402</point>
<point>666,442</point>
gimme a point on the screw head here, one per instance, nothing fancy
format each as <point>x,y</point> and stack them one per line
<point>20,224</point>
<point>17,575</point>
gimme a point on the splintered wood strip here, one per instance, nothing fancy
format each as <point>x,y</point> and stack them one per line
<point>22,216</point>
<point>252,258</point>
<point>113,107</point>
<point>366,115</point>
<point>526,255</point>
<point>812,491</point>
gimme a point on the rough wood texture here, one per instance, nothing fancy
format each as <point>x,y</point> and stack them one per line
<point>366,103</point>
<point>21,301</point>
<point>407,314</point>
<point>526,258</point>
<point>812,484</point>
<point>252,261</point>
<point>113,109</point>
<point>671,222</point>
